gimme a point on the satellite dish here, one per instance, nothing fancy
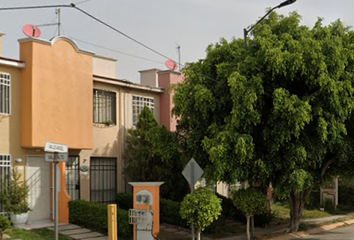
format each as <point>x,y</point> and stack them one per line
<point>31,31</point>
<point>170,64</point>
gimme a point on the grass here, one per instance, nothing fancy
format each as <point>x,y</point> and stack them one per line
<point>283,212</point>
<point>35,234</point>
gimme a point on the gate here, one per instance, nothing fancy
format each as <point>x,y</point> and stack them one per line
<point>103,179</point>
<point>73,177</point>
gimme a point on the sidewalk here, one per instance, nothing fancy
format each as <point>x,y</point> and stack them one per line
<point>278,232</point>
<point>71,230</point>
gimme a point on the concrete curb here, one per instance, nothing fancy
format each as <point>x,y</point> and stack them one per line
<point>315,230</point>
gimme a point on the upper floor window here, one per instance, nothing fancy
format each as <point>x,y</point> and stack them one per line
<point>138,104</point>
<point>104,107</point>
<point>5,93</point>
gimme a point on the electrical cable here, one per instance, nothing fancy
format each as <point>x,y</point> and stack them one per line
<point>84,1</point>
<point>116,51</point>
<point>72,5</point>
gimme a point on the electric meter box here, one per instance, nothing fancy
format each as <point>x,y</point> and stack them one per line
<point>144,197</point>
<point>145,215</point>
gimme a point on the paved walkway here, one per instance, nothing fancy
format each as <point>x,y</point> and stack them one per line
<point>71,230</point>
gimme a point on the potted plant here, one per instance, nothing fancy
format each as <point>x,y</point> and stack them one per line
<point>14,197</point>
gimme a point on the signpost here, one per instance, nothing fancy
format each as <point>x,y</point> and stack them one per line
<point>192,172</point>
<point>58,153</point>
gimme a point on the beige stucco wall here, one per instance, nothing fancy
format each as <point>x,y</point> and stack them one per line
<point>56,94</point>
<point>105,67</point>
<point>149,77</point>
<point>109,141</point>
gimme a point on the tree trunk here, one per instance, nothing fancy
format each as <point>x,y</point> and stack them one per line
<point>198,235</point>
<point>252,227</point>
<point>297,203</point>
<point>248,228</point>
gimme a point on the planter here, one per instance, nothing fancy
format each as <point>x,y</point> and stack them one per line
<point>18,219</point>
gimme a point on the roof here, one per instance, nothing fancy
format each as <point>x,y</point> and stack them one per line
<point>12,62</point>
<point>125,83</point>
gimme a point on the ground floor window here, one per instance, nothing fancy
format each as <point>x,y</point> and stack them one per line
<point>103,179</point>
<point>5,173</point>
<point>73,177</point>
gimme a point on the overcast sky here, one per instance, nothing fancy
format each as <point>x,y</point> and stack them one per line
<point>159,24</point>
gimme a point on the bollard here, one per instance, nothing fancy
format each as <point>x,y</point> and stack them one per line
<point>112,222</point>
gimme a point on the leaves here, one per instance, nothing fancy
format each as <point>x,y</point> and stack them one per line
<point>201,207</point>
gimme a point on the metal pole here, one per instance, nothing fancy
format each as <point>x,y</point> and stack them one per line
<point>56,232</point>
<point>179,58</point>
<point>192,190</point>
<point>57,11</point>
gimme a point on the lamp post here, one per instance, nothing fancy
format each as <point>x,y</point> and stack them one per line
<point>246,31</point>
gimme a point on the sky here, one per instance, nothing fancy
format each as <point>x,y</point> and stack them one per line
<point>162,25</point>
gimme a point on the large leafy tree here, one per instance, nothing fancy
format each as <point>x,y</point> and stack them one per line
<point>152,154</point>
<point>277,110</point>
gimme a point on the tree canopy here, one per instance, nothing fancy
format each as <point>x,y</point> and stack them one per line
<point>152,154</point>
<point>278,110</point>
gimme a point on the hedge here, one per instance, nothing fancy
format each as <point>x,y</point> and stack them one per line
<point>94,216</point>
<point>125,200</point>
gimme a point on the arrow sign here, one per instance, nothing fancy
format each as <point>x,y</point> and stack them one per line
<point>192,172</point>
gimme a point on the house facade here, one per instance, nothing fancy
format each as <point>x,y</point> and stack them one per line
<point>57,92</point>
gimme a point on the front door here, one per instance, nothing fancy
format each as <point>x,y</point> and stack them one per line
<point>38,180</point>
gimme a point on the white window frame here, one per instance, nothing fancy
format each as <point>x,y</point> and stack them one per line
<point>5,93</point>
<point>138,103</point>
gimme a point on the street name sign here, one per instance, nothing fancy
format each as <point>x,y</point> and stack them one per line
<point>55,147</point>
<point>60,157</point>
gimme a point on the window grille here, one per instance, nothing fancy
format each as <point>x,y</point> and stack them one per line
<point>5,174</point>
<point>103,178</point>
<point>104,107</point>
<point>138,104</point>
<point>73,177</point>
<point>5,93</point>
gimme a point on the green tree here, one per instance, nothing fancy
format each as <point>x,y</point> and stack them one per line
<point>277,111</point>
<point>202,207</point>
<point>152,154</point>
<point>250,201</point>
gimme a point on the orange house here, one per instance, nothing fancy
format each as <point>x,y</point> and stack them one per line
<point>60,93</point>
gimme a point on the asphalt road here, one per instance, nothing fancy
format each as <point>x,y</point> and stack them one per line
<point>344,233</point>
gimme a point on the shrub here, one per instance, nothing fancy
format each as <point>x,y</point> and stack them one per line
<point>169,213</point>
<point>5,223</point>
<point>125,200</point>
<point>201,207</point>
<point>94,216</point>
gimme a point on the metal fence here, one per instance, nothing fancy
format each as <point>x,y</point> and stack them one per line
<point>5,174</point>
<point>103,179</point>
<point>73,177</point>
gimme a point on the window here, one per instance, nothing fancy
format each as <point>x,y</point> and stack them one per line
<point>5,173</point>
<point>104,107</point>
<point>138,104</point>
<point>103,179</point>
<point>5,93</point>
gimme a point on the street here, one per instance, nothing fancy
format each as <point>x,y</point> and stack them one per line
<point>344,233</point>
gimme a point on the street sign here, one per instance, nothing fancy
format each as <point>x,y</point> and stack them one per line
<point>60,157</point>
<point>55,147</point>
<point>192,172</point>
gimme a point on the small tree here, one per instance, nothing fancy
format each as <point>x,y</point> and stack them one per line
<point>14,195</point>
<point>152,154</point>
<point>250,202</point>
<point>200,208</point>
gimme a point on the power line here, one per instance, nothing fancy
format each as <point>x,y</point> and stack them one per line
<point>85,1</point>
<point>72,5</point>
<point>113,50</point>
<point>120,32</point>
